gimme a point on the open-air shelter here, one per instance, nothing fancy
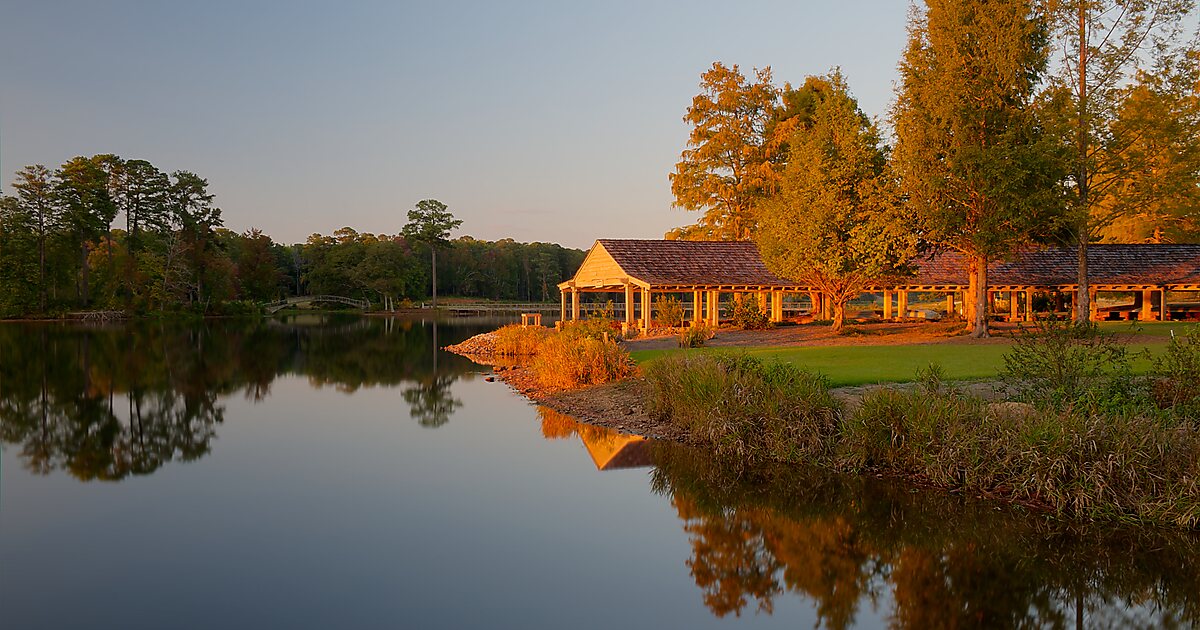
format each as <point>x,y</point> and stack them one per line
<point>636,269</point>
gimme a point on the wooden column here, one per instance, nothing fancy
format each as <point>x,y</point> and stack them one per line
<point>629,303</point>
<point>777,306</point>
<point>646,319</point>
<point>714,308</point>
<point>1094,315</point>
<point>562,316</point>
<point>697,308</point>
<point>1028,305</point>
<point>1014,311</point>
<point>887,304</point>
<point>1164,313</point>
<point>574,304</point>
<point>902,304</point>
<point>1146,306</point>
<point>950,304</point>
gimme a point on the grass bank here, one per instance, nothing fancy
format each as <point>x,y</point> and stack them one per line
<point>1092,440</point>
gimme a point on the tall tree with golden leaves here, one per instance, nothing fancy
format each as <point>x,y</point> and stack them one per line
<point>980,176</point>
<point>731,159</point>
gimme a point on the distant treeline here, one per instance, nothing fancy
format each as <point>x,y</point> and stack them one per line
<point>104,232</point>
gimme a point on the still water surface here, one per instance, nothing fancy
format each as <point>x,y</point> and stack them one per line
<point>337,473</point>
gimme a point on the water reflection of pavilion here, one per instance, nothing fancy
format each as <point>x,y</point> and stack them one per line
<point>609,449</point>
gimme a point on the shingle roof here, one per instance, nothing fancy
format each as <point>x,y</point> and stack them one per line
<point>1108,264</point>
<point>660,262</point>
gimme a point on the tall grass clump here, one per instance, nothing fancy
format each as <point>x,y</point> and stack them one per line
<point>515,340</point>
<point>695,336</point>
<point>742,406</point>
<point>1117,465</point>
<point>569,358</point>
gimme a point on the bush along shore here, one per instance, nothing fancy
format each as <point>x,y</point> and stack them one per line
<point>1084,438</point>
<point>1079,435</point>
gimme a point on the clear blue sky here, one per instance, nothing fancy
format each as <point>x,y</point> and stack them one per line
<point>552,121</point>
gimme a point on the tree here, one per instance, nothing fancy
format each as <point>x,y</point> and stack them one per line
<point>37,200</point>
<point>87,208</point>
<point>195,217</point>
<point>1102,42</point>
<point>430,223</point>
<point>1157,201</point>
<point>835,224</point>
<point>730,162</point>
<point>979,174</point>
<point>259,277</point>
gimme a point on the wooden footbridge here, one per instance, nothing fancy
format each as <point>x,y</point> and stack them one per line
<point>274,307</point>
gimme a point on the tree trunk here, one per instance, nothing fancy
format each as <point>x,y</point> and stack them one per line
<point>433,252</point>
<point>839,315</point>
<point>1083,302</point>
<point>979,315</point>
<point>83,279</point>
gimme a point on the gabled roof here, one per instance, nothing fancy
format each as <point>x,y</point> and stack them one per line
<point>663,263</point>
<point>1108,264</point>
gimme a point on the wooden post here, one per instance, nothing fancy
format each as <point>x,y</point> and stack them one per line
<point>696,307</point>
<point>887,304</point>
<point>646,309</point>
<point>714,308</point>
<point>1146,307</point>
<point>629,303</point>
<point>902,304</point>
<point>1164,313</point>
<point>562,317</point>
<point>1094,313</point>
<point>950,304</point>
<point>1014,311</point>
<point>574,304</point>
<point>1028,305</point>
<point>777,306</point>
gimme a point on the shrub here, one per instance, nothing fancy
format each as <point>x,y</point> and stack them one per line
<point>593,328</point>
<point>569,359</point>
<point>1060,363</point>
<point>515,340</point>
<point>748,315</point>
<point>695,336</point>
<point>742,406</point>
<point>1177,374</point>
<point>669,310</point>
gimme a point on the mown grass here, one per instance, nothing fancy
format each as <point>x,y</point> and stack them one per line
<point>1135,463</point>
<point>859,365</point>
<point>863,365</point>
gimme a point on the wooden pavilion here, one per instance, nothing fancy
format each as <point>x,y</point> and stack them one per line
<point>708,269</point>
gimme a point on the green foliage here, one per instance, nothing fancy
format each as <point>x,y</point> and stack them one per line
<point>742,406</point>
<point>979,173</point>
<point>749,315</point>
<point>1176,374</point>
<point>836,223</point>
<point>668,311</point>
<point>1060,363</point>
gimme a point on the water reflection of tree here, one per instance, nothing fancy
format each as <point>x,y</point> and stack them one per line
<point>430,403</point>
<point>107,402</point>
<point>844,543</point>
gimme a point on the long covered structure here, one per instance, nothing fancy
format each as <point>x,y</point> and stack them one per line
<point>636,269</point>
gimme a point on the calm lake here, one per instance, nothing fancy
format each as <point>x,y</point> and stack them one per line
<point>322,472</point>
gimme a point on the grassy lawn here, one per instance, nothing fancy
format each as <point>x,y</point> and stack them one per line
<point>863,364</point>
<point>858,365</point>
